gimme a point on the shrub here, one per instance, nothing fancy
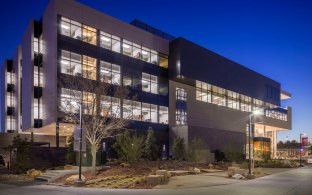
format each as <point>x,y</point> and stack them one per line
<point>129,147</point>
<point>233,154</point>
<point>21,154</point>
<point>150,147</point>
<point>71,154</point>
<point>197,150</point>
<point>178,148</point>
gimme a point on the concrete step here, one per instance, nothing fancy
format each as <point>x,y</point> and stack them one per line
<point>50,174</point>
<point>43,178</point>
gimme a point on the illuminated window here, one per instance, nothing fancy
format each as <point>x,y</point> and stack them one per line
<point>163,60</point>
<point>38,111</point>
<point>70,28</point>
<point>258,106</point>
<point>110,42</point>
<point>203,91</point>
<point>69,100</point>
<point>89,34</point>
<point>110,106</point>
<point>181,94</point>
<point>154,57</point>
<point>89,68</point>
<point>245,103</point>
<point>233,100</point>
<point>149,83</point>
<point>127,48</point>
<point>110,73</point>
<point>218,96</point>
<point>89,103</point>
<point>38,76</point>
<point>181,117</point>
<point>70,63</point>
<point>163,115</point>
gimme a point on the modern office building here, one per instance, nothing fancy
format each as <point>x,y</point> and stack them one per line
<point>181,88</point>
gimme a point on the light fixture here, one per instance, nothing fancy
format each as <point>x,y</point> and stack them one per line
<point>105,39</point>
<point>64,26</point>
<point>64,62</point>
<point>126,46</point>
<point>143,81</point>
<point>256,112</point>
<point>105,71</point>
<point>144,52</point>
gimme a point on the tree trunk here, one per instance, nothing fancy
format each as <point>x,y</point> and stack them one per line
<point>93,153</point>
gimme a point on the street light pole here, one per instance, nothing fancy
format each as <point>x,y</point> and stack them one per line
<point>300,150</point>
<point>249,142</point>
<point>80,141</point>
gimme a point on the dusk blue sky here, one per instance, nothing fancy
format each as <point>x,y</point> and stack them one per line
<point>271,37</point>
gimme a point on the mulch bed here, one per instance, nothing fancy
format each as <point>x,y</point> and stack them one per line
<point>117,173</point>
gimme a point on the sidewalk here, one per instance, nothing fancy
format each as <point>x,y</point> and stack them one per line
<point>197,181</point>
<point>209,179</point>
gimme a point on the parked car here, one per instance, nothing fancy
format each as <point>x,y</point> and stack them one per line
<point>2,160</point>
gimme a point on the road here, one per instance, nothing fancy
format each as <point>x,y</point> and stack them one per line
<point>295,181</point>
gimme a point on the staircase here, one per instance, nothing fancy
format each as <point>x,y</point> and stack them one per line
<point>52,175</point>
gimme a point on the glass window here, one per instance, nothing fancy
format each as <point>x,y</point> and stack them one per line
<point>127,81</point>
<point>10,124</point>
<point>181,117</point>
<point>203,91</point>
<point>89,103</point>
<point>163,115</point>
<point>70,63</point>
<point>163,60</point>
<point>89,67</point>
<point>233,100</point>
<point>65,26</point>
<point>146,112</point>
<point>149,83</point>
<point>136,107</point>
<point>218,96</point>
<point>110,106</point>
<point>245,103</point>
<point>127,48</point>
<point>154,118</point>
<point>154,57</point>
<point>70,100</point>
<point>38,76</point>
<point>146,54</point>
<point>36,45</point>
<point>38,111</point>
<point>258,106</point>
<point>89,34</point>
<point>106,40</point>
<point>110,73</point>
<point>70,28</point>
<point>181,94</point>
<point>115,44</point>
<point>136,51</point>
<point>127,109</point>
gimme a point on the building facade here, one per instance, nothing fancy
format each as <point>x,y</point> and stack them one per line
<point>181,89</point>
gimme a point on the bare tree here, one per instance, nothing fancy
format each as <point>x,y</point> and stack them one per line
<point>101,107</point>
